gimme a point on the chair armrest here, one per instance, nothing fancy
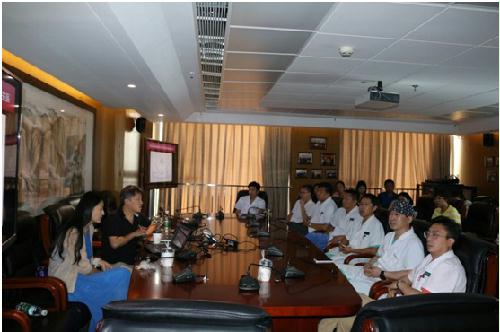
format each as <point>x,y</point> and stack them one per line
<point>354,256</point>
<point>55,286</point>
<point>491,287</point>
<point>20,317</point>
<point>379,288</point>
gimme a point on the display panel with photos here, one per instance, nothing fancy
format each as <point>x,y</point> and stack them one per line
<point>316,174</point>
<point>305,158</point>
<point>331,173</point>
<point>328,159</point>
<point>317,143</point>
<point>301,173</point>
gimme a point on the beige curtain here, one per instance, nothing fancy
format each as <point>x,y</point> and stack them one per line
<point>407,158</point>
<point>229,156</point>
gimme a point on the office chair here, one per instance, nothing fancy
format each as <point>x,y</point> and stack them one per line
<point>182,315</point>
<point>450,312</point>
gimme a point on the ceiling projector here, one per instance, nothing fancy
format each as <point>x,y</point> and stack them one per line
<point>377,99</point>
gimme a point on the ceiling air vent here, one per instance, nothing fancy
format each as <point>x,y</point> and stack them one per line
<point>211,18</point>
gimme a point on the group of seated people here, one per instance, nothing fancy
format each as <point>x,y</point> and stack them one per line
<point>350,229</point>
<point>397,256</point>
<point>72,258</point>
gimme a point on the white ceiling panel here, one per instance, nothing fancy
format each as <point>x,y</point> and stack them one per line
<point>251,76</point>
<point>492,43</point>
<point>389,20</point>
<point>460,26</point>
<point>324,45</point>
<point>257,61</point>
<point>296,15</point>
<point>301,88</point>
<point>247,86</point>
<point>383,71</point>
<point>323,65</point>
<point>476,101</point>
<point>267,41</point>
<point>420,52</point>
<point>308,78</point>
<point>477,57</point>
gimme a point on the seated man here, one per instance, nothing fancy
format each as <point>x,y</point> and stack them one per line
<point>302,210</point>
<point>401,250</point>
<point>346,220</point>
<point>367,239</point>
<point>320,222</point>
<point>388,195</point>
<point>443,208</point>
<point>251,204</point>
<point>440,272</point>
<point>121,232</point>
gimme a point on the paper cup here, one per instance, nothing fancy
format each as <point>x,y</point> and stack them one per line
<point>157,238</point>
<point>96,261</point>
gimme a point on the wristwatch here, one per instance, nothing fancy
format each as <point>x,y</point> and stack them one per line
<point>382,276</point>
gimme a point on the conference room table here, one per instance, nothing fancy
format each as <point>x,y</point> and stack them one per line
<point>293,304</point>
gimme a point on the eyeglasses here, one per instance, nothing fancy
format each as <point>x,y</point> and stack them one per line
<point>428,235</point>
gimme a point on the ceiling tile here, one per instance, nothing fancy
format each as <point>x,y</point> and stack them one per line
<point>453,74</point>
<point>257,61</point>
<point>477,57</point>
<point>268,41</point>
<point>449,27</point>
<point>323,65</point>
<point>247,87</point>
<point>308,78</point>
<point>322,45</point>
<point>386,72</point>
<point>492,43</point>
<point>250,76</point>
<point>420,52</point>
<point>300,88</point>
<point>390,20</point>
<point>300,16</point>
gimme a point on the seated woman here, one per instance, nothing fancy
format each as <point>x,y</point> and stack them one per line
<point>71,261</point>
<point>339,189</point>
<point>444,208</point>
<point>360,189</point>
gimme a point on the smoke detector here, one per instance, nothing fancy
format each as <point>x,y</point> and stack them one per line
<point>346,51</point>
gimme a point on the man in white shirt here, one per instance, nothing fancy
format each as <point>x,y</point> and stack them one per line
<point>320,222</point>
<point>346,220</point>
<point>400,250</point>
<point>367,239</point>
<point>302,210</point>
<point>251,204</point>
<point>440,272</point>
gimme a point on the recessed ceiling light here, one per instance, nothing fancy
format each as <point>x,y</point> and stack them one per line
<point>131,86</point>
<point>160,115</point>
<point>62,111</point>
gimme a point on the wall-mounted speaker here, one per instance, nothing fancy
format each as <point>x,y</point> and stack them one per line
<point>140,125</point>
<point>488,139</point>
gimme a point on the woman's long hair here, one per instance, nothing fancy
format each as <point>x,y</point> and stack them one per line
<point>82,216</point>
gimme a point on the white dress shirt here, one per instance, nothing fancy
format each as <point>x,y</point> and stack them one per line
<point>297,217</point>
<point>244,204</point>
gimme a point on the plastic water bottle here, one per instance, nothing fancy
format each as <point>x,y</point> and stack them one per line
<point>166,222</point>
<point>31,309</point>
<point>265,266</point>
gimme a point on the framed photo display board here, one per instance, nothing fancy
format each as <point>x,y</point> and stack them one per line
<point>161,164</point>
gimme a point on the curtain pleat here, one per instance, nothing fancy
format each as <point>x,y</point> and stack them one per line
<point>407,158</point>
<point>231,155</point>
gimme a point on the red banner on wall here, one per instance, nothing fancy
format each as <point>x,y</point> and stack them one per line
<point>8,97</point>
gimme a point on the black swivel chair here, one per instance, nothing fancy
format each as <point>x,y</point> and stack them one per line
<point>482,219</point>
<point>452,312</point>
<point>182,315</point>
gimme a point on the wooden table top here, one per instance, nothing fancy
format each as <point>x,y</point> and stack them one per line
<point>324,292</point>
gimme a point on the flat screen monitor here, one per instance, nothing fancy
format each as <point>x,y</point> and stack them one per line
<point>181,236</point>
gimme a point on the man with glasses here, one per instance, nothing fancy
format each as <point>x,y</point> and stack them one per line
<point>302,210</point>
<point>364,240</point>
<point>439,272</point>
